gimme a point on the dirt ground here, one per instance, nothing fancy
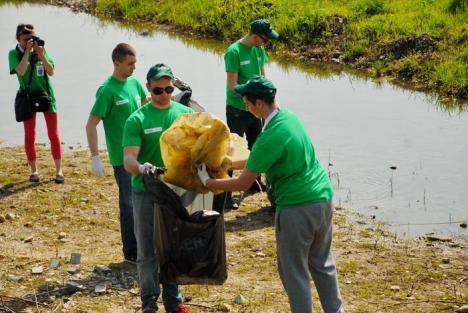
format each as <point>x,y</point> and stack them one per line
<point>43,222</point>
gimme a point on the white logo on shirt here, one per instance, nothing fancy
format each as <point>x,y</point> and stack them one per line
<point>245,62</point>
<point>138,101</point>
<point>120,102</point>
<point>152,130</point>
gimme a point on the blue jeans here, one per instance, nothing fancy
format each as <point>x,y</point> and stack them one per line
<point>303,242</point>
<point>243,122</point>
<point>147,264</point>
<point>124,183</point>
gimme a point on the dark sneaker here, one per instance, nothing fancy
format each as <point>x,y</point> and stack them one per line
<point>59,179</point>
<point>34,178</point>
<point>181,309</point>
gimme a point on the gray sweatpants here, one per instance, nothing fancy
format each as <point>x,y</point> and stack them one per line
<point>303,241</point>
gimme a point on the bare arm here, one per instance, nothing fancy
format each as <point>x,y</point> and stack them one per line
<point>231,80</point>
<point>131,163</point>
<point>243,182</point>
<point>91,133</point>
<point>263,72</point>
<point>238,164</point>
<point>23,65</point>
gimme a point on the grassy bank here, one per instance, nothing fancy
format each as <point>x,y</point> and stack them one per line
<point>423,42</point>
<point>45,221</point>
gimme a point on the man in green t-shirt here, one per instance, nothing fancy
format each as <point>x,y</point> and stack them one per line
<point>118,97</point>
<point>243,59</point>
<point>303,220</point>
<point>142,151</point>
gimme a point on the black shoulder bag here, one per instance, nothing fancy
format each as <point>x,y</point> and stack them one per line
<point>23,110</point>
<point>27,102</point>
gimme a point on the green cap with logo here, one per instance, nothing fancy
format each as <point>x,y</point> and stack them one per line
<point>159,70</point>
<point>263,27</point>
<point>257,86</point>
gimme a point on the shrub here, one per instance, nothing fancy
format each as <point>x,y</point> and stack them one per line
<point>457,6</point>
<point>368,7</point>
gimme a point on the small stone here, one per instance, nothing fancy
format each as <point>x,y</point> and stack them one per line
<point>28,239</point>
<point>10,216</point>
<point>37,269</point>
<point>446,260</point>
<point>54,264</point>
<point>102,270</point>
<point>395,288</point>
<point>62,235</point>
<point>463,309</point>
<point>73,270</point>
<point>462,225</point>
<point>260,254</point>
<point>75,258</point>
<point>15,278</point>
<point>348,282</point>
<point>2,219</point>
<point>73,286</point>
<point>28,224</point>
<point>84,200</point>
<point>100,288</point>
<point>239,299</point>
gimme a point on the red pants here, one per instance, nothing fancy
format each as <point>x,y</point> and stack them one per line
<point>52,132</point>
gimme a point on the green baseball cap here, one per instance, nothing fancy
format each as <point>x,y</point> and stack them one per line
<point>257,86</point>
<point>159,70</point>
<point>263,27</point>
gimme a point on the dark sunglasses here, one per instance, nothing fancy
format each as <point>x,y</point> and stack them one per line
<point>159,90</point>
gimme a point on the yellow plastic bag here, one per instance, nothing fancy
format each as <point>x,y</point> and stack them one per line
<point>194,139</point>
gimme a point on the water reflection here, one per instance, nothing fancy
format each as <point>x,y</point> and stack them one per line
<point>360,127</point>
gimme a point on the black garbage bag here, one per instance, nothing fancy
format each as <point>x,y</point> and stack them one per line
<point>190,249</point>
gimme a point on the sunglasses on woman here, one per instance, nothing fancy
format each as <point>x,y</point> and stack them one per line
<point>160,90</point>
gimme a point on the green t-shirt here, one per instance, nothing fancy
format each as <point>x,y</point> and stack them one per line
<point>245,62</point>
<point>144,128</point>
<point>115,101</point>
<point>285,153</point>
<point>38,79</point>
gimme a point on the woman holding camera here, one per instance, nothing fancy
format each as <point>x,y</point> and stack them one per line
<point>31,64</point>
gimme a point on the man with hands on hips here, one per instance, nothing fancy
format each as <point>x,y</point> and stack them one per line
<point>142,132</point>
<point>118,97</point>
<point>303,219</point>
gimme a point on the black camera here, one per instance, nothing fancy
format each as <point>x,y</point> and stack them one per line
<point>39,41</point>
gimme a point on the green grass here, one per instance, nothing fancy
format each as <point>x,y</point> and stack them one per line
<point>306,24</point>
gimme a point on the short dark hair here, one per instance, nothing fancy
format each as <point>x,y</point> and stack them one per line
<point>24,29</point>
<point>268,99</point>
<point>121,51</point>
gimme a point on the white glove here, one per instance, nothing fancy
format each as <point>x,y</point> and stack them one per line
<point>145,166</point>
<point>203,174</point>
<point>97,168</point>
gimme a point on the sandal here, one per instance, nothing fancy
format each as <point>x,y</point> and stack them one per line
<point>34,178</point>
<point>59,179</point>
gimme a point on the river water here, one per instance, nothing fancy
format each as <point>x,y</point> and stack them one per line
<point>360,128</point>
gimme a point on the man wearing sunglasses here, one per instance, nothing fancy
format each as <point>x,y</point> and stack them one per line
<point>243,59</point>
<point>118,97</point>
<point>142,151</point>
